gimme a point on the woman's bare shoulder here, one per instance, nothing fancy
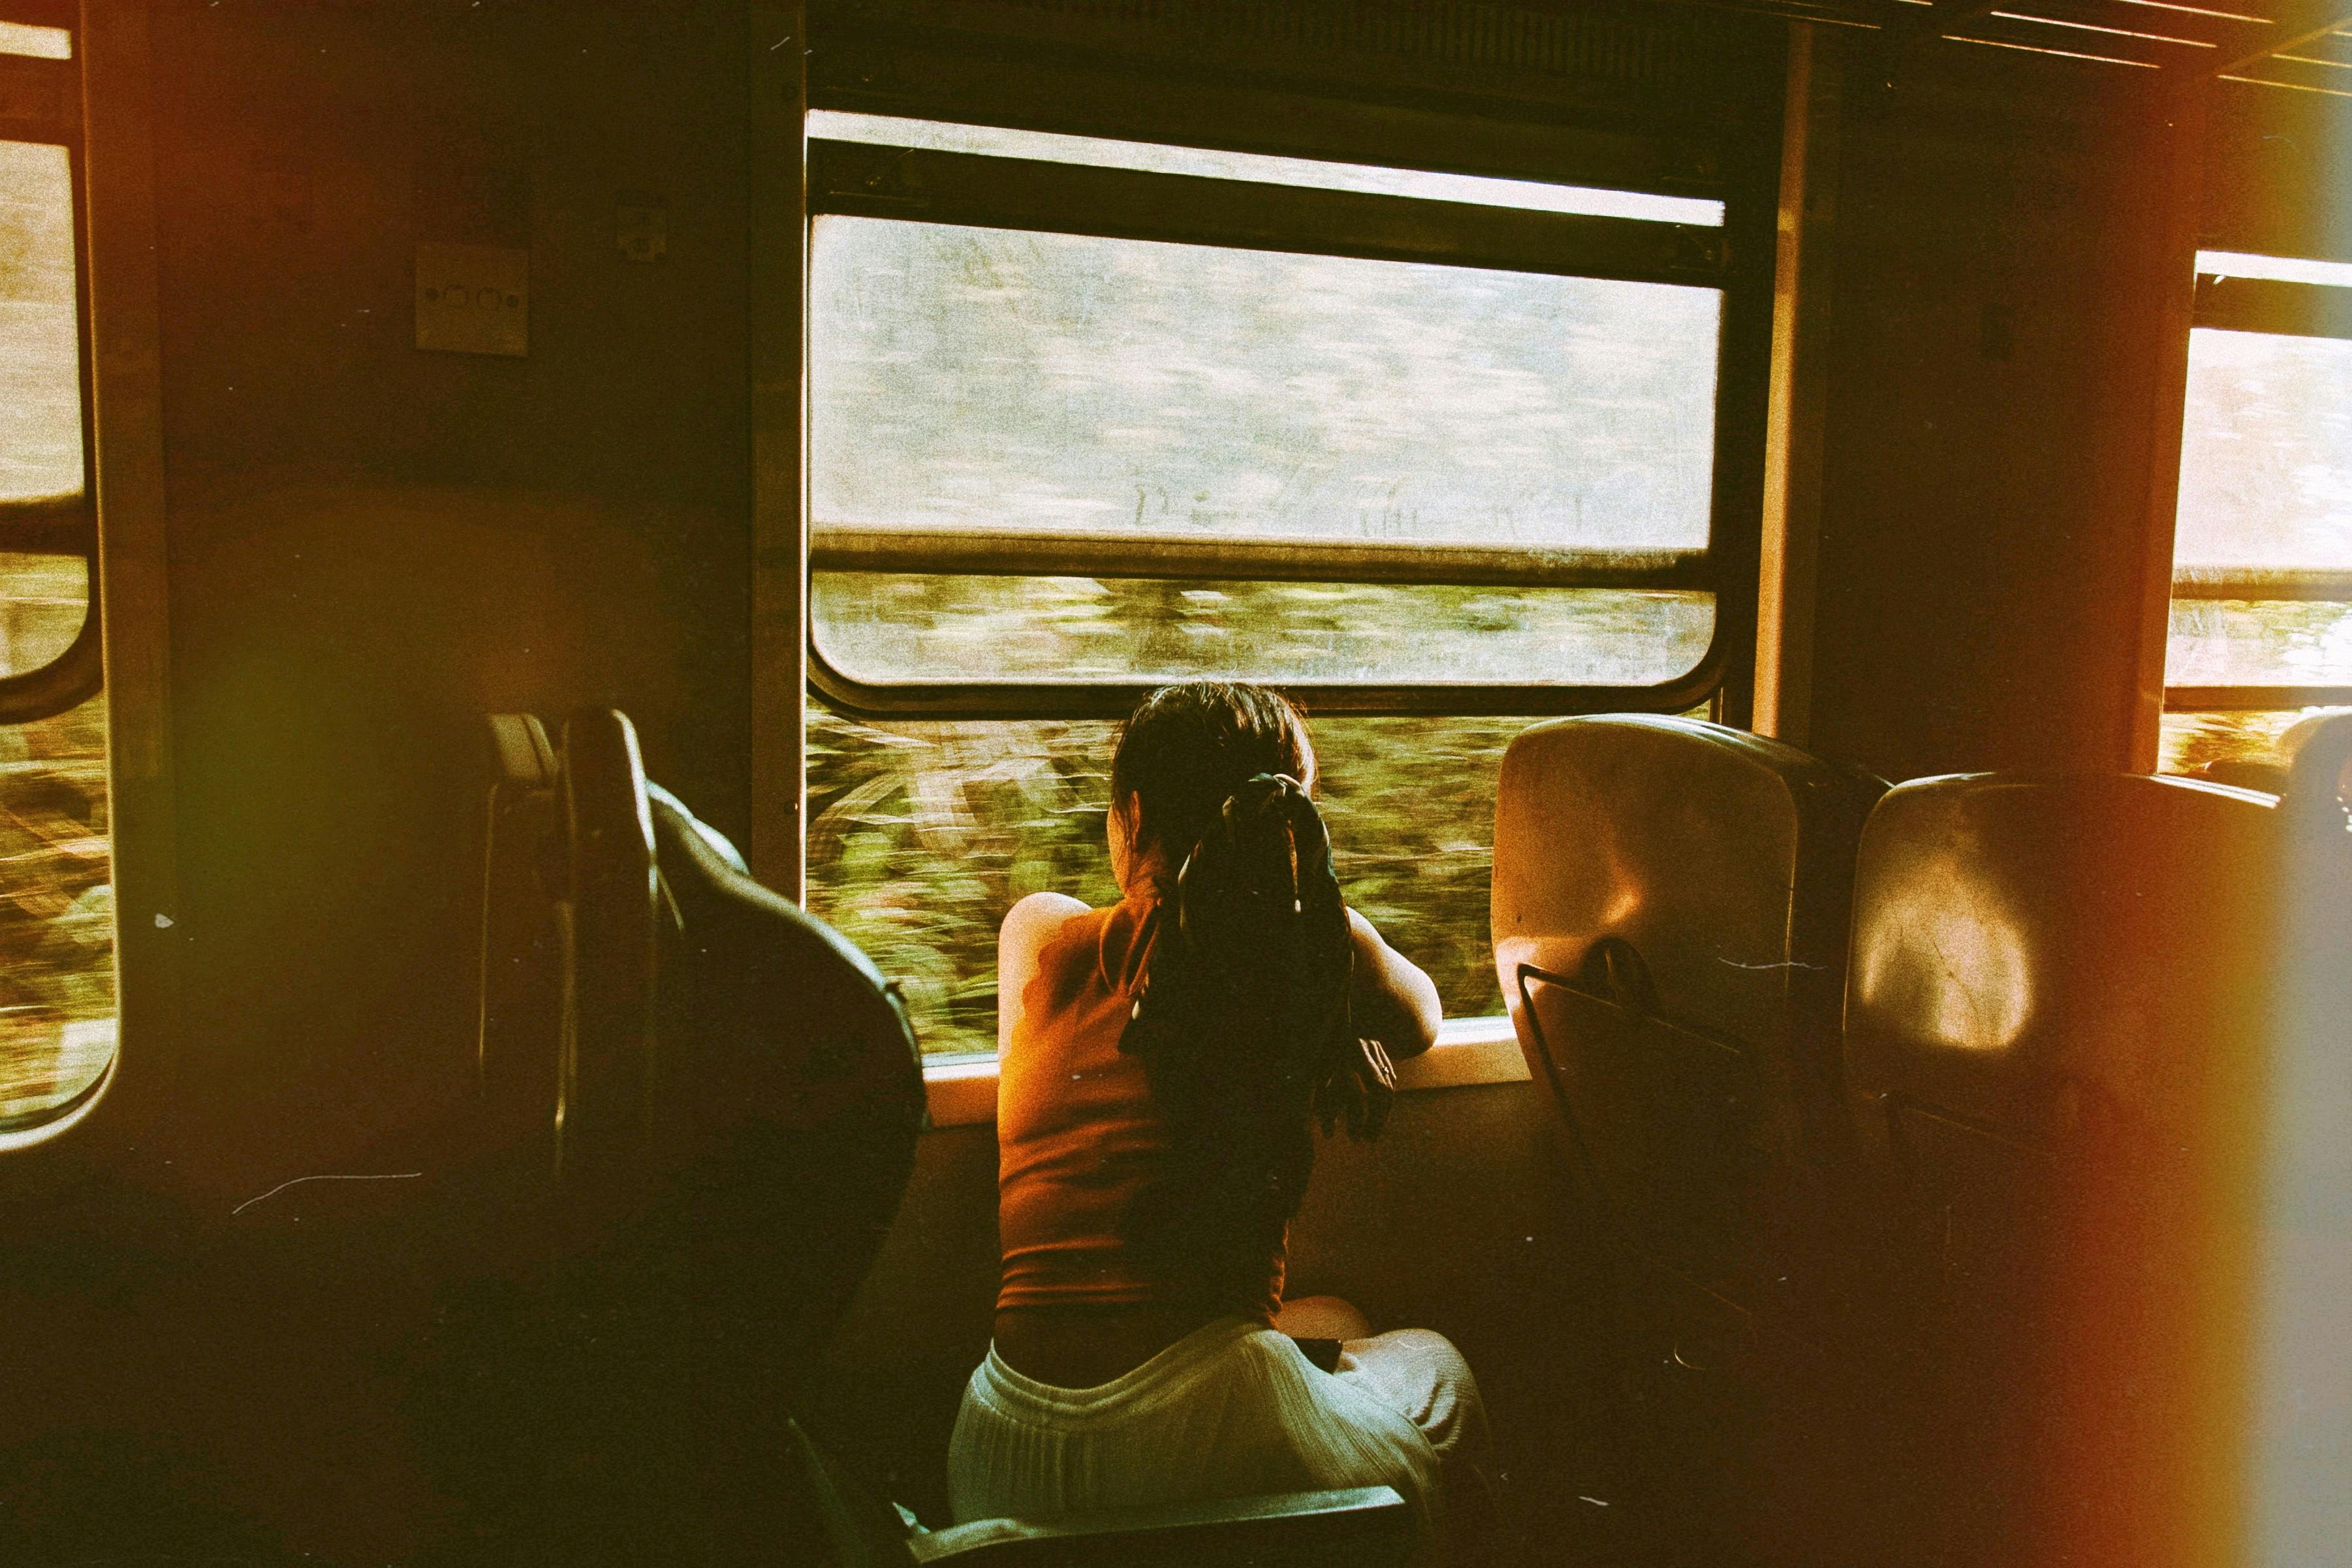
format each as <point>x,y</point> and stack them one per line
<point>1020,944</point>
<point>1038,916</point>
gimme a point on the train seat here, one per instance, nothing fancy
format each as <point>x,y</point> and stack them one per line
<point>1670,906</point>
<point>1670,916</point>
<point>2060,1014</point>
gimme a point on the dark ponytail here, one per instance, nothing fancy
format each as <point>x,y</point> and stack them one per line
<point>1243,1019</point>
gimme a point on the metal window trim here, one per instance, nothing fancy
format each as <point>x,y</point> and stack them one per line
<point>26,80</point>
<point>2262,584</point>
<point>2252,698</point>
<point>1117,699</point>
<point>122,364</point>
<point>2276,306</point>
<point>1625,148</point>
<point>857,179</point>
<point>1174,557</point>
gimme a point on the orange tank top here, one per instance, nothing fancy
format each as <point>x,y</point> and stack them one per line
<point>1076,1134</point>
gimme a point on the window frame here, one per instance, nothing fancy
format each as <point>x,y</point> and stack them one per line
<point>124,497</point>
<point>872,180</point>
<point>52,89</point>
<point>2230,303</point>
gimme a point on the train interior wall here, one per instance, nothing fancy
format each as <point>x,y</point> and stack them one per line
<point>372,546</point>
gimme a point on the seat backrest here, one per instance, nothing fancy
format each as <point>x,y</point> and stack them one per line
<point>732,1115</point>
<point>737,1075</point>
<point>788,1070</point>
<point>2061,1013</point>
<point>2039,961</point>
<point>1670,906</point>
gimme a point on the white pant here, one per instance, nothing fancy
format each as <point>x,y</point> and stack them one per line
<point>1232,1409</point>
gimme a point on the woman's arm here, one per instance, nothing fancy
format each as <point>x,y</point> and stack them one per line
<point>1394,1003</point>
<point>1019,941</point>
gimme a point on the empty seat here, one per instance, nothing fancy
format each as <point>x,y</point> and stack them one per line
<point>2061,1015</point>
<point>1670,909</point>
<point>1670,922</point>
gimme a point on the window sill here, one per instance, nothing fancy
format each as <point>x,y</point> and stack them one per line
<point>963,1093</point>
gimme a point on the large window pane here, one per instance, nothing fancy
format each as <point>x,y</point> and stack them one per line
<point>57,912</point>
<point>2265,486</point>
<point>41,342</point>
<point>994,381</point>
<point>923,835</point>
<point>2266,452</point>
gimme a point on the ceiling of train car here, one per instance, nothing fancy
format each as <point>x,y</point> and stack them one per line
<point>2301,46</point>
<point>2304,46</point>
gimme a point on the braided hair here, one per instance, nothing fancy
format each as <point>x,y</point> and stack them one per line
<point>1243,1017</point>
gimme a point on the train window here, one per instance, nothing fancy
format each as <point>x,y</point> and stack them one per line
<point>1088,415</point>
<point>1079,424</point>
<point>39,42</point>
<point>57,922</point>
<point>2262,600</point>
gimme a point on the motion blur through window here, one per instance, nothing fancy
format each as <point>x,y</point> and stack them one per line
<point>2262,594</point>
<point>57,916</point>
<point>1088,415</point>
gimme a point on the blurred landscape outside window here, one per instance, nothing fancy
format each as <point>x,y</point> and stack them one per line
<point>922,834</point>
<point>2265,489</point>
<point>976,383</point>
<point>57,916</point>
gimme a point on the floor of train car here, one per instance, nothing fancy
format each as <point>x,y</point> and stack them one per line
<point>281,1392</point>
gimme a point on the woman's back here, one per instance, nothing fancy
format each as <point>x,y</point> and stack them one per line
<point>1078,1135</point>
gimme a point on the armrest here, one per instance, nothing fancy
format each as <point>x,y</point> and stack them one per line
<point>1362,1527</point>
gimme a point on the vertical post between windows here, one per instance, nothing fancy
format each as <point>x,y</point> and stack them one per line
<point>1798,397</point>
<point>777,162</point>
<point>2181,143</point>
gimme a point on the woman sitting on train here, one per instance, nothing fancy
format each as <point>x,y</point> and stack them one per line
<point>1163,1064</point>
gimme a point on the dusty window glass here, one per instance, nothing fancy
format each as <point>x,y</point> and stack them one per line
<point>40,370</point>
<point>994,381</point>
<point>2265,485</point>
<point>922,834</point>
<point>57,912</point>
<point>37,41</point>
